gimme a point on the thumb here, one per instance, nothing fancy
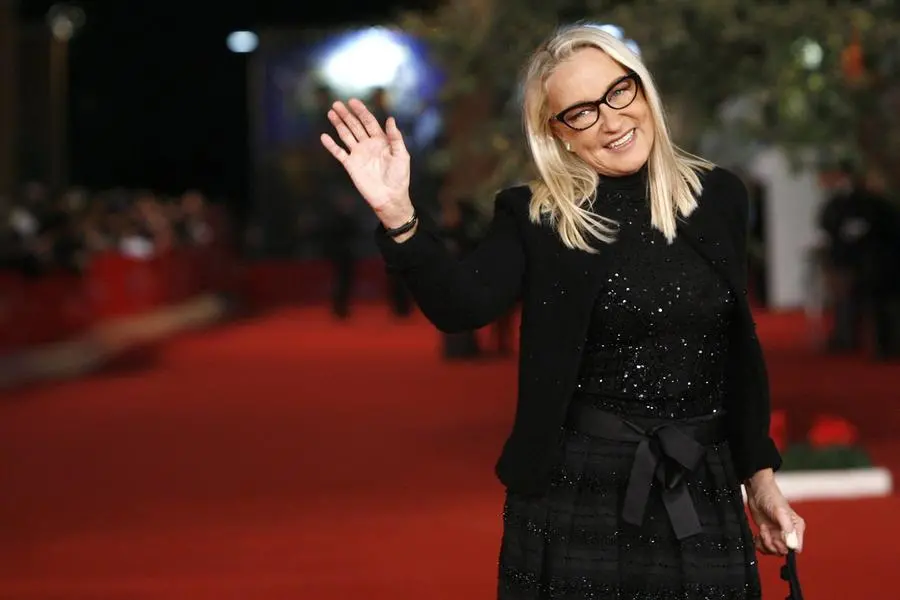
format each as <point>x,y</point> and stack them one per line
<point>785,519</point>
<point>395,138</point>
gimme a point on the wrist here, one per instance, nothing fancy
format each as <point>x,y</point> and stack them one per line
<point>397,215</point>
<point>760,478</point>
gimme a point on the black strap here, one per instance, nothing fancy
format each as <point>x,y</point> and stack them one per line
<point>666,452</point>
<point>397,231</point>
<point>789,574</point>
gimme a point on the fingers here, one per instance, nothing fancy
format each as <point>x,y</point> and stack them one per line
<point>784,518</point>
<point>342,130</point>
<point>760,545</point>
<point>778,539</point>
<point>792,527</point>
<point>799,530</point>
<point>350,121</point>
<point>395,138</point>
<point>336,151</point>
<point>768,542</point>
<point>356,124</point>
<point>368,120</point>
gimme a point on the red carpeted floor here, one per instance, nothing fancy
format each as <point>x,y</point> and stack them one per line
<point>293,457</point>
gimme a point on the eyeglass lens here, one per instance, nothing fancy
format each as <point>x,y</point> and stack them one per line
<point>585,115</point>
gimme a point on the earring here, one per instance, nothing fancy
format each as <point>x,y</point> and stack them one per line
<point>568,147</point>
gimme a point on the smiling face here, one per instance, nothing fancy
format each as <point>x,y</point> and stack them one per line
<point>619,143</point>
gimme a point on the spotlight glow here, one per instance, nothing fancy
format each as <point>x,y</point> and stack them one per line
<point>810,53</point>
<point>242,42</point>
<point>365,60</point>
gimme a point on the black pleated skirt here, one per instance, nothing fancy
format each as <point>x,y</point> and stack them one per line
<point>572,543</point>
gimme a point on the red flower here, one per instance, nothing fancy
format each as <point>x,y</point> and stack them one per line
<point>832,431</point>
<point>778,429</point>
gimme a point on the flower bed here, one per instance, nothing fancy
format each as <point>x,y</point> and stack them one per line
<point>829,463</point>
<point>831,443</point>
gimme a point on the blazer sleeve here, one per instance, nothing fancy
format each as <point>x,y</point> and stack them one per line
<point>461,294</point>
<point>752,444</point>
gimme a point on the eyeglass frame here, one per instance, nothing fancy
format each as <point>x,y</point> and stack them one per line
<point>598,103</point>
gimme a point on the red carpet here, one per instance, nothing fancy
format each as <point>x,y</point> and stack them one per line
<point>292,457</point>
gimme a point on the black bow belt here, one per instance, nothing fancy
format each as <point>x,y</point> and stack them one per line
<point>666,451</point>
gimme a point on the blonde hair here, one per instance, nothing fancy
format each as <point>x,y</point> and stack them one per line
<point>567,186</point>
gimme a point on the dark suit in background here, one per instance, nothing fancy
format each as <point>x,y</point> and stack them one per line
<point>340,238</point>
<point>862,231</point>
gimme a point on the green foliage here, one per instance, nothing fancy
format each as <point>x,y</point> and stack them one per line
<point>702,53</point>
<point>803,457</point>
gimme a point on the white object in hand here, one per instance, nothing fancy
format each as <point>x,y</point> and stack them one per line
<point>791,540</point>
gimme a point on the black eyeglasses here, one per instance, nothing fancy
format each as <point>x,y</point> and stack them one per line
<point>584,115</point>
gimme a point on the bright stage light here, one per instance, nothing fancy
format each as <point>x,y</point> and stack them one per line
<point>365,60</point>
<point>242,42</point>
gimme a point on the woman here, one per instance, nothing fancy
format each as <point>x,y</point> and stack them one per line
<point>643,396</point>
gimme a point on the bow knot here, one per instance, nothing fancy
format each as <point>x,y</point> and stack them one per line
<point>665,453</point>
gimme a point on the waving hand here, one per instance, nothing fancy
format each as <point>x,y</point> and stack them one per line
<point>376,160</point>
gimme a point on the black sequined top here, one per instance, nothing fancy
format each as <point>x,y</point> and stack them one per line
<point>658,340</point>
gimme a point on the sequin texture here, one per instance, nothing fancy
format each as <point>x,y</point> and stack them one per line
<point>656,349</point>
<point>658,339</point>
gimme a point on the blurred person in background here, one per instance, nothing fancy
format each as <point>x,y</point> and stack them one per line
<point>340,238</point>
<point>862,232</point>
<point>40,235</point>
<point>643,399</point>
<point>193,219</point>
<point>320,99</point>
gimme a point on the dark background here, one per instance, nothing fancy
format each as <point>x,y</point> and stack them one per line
<point>156,98</point>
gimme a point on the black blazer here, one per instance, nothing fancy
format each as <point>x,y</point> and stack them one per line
<point>521,260</point>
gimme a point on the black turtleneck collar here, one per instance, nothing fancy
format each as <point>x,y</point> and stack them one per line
<point>636,181</point>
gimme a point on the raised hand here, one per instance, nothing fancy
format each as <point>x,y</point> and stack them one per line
<point>376,160</point>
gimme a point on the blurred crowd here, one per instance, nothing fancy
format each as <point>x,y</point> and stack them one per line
<point>44,233</point>
<point>860,254</point>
